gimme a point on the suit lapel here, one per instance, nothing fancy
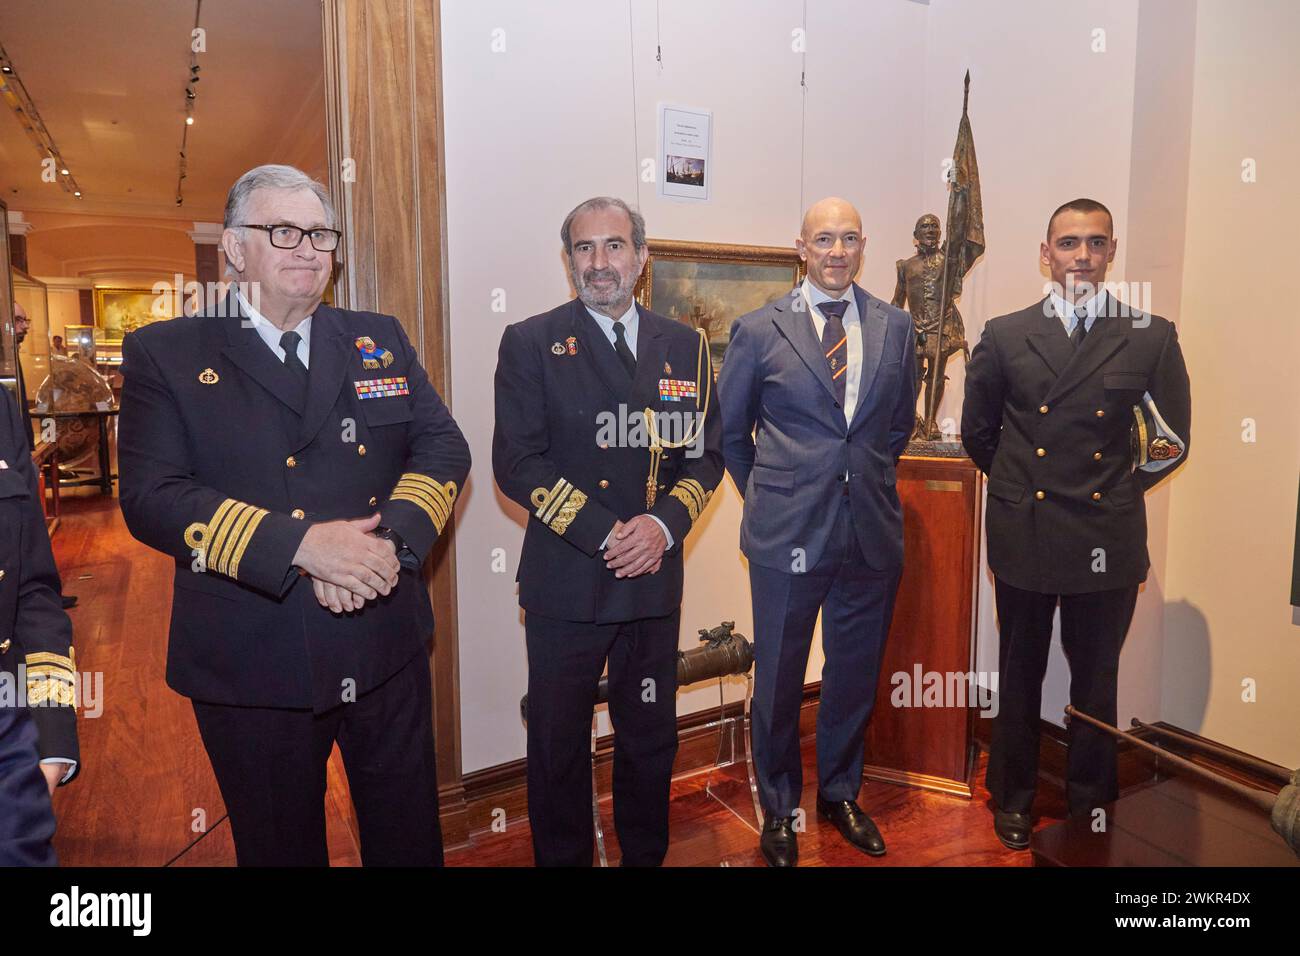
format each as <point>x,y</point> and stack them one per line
<point>331,352</point>
<point>874,327</point>
<point>651,352</point>
<point>1105,339</point>
<point>245,348</point>
<point>797,328</point>
<point>599,352</point>
<point>1072,366</point>
<point>1048,340</point>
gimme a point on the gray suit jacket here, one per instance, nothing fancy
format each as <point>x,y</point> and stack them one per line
<point>786,443</point>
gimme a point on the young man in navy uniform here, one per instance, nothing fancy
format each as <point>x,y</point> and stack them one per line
<point>600,577</point>
<point>297,463</point>
<point>1051,393</point>
<point>38,729</point>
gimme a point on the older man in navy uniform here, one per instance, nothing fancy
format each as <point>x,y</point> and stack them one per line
<point>298,465</point>
<point>38,730</point>
<point>600,577</point>
<point>1051,393</point>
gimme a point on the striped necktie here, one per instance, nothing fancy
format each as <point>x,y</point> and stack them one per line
<point>835,344</point>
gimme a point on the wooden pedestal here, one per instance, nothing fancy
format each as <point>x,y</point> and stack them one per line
<point>933,631</point>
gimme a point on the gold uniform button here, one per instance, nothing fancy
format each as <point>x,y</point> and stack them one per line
<point>1096,456</point>
<point>1101,413</point>
<point>1042,453</point>
<point>297,513</point>
<point>373,501</point>
<point>1096,496</point>
<point>4,646</point>
<point>291,462</point>
<point>361,449</point>
<point>604,483</point>
<point>1040,495</point>
<point>1042,409</point>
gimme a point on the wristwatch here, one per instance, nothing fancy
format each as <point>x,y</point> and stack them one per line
<point>405,556</point>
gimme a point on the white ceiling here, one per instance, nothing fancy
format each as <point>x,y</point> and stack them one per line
<point>109,77</point>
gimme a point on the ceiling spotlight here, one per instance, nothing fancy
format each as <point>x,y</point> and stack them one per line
<point>77,194</point>
<point>64,172</point>
<point>189,93</point>
<point>6,68</point>
<point>189,121</point>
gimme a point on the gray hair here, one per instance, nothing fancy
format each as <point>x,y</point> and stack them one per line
<point>603,202</point>
<point>271,176</point>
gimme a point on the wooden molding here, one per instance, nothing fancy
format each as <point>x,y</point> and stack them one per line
<point>383,91</point>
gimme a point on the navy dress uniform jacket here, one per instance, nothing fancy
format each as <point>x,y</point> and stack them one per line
<point>788,445</point>
<point>35,632</point>
<point>1050,427</point>
<point>225,464</point>
<point>559,385</point>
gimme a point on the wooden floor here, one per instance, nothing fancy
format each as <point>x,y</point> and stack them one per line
<point>146,794</point>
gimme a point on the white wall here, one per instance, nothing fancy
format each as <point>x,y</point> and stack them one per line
<point>1232,514</point>
<point>534,130</point>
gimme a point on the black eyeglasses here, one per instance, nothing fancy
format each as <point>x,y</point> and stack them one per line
<point>285,236</point>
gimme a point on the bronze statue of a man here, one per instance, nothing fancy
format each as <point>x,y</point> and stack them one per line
<point>918,291</point>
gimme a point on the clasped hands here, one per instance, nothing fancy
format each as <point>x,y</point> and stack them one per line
<point>635,547</point>
<point>347,564</point>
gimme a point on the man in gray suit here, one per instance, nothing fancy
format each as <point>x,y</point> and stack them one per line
<point>818,399</point>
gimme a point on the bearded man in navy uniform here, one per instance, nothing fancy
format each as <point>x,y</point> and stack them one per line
<point>600,577</point>
<point>296,462</point>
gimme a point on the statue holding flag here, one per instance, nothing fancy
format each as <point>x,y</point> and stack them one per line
<point>930,282</point>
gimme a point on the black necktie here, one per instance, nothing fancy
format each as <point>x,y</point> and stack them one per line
<point>1080,329</point>
<point>289,342</point>
<point>836,344</point>
<point>624,353</point>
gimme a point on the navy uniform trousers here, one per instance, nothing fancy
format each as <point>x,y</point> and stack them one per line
<point>857,604</point>
<point>270,766</point>
<point>565,661</point>
<point>1093,627</point>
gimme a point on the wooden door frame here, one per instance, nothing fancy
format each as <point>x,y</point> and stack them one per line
<point>368,97</point>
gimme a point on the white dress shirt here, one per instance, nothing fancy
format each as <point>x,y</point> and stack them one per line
<point>271,334</point>
<point>631,320</point>
<point>1070,316</point>
<point>814,297</point>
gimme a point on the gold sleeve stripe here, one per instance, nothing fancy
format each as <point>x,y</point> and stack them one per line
<point>543,498</point>
<point>447,490</point>
<point>244,539</point>
<point>553,506</point>
<point>45,657</point>
<point>435,506</point>
<point>433,498</point>
<point>219,533</point>
<point>50,690</point>
<point>217,517</point>
<point>572,505</point>
<point>219,556</point>
<point>691,494</point>
<point>46,672</point>
<point>423,504</point>
<point>224,539</point>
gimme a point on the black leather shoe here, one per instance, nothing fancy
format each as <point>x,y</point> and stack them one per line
<point>854,825</point>
<point>778,843</point>
<point>1013,829</point>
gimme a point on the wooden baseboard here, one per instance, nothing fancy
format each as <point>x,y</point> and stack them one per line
<point>504,788</point>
